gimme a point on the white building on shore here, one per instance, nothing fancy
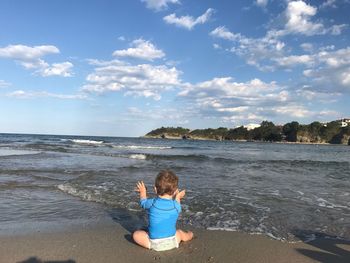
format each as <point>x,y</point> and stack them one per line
<point>345,122</point>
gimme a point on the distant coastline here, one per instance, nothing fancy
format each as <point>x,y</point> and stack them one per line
<point>334,132</point>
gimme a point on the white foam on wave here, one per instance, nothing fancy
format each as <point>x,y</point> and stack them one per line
<point>138,156</point>
<point>11,152</point>
<point>222,228</point>
<point>141,147</point>
<point>80,141</point>
<point>75,192</point>
<point>324,203</point>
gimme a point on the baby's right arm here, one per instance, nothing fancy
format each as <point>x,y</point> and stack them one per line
<point>141,188</point>
<point>180,195</point>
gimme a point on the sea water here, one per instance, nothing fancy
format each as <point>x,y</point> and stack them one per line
<point>286,191</point>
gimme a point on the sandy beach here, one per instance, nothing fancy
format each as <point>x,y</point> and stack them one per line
<point>112,243</point>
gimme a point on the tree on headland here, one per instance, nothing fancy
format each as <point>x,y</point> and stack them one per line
<point>267,131</point>
<point>215,134</point>
<point>290,131</point>
<point>240,133</point>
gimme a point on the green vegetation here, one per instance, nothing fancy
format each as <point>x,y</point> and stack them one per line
<point>216,134</point>
<point>314,132</point>
<point>169,131</point>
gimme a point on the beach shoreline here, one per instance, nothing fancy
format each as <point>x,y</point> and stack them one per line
<point>113,243</point>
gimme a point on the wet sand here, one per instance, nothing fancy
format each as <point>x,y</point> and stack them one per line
<point>112,243</point>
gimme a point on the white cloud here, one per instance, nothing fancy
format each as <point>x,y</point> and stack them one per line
<point>337,29</point>
<point>261,3</point>
<point>308,47</point>
<point>141,49</point>
<point>298,20</point>
<point>4,84</point>
<point>290,61</point>
<point>158,5</point>
<point>330,70</point>
<point>216,46</point>
<point>26,53</point>
<point>327,69</point>
<point>224,33</point>
<point>298,15</point>
<point>328,3</point>
<point>20,94</point>
<point>31,58</point>
<point>188,22</point>
<point>226,87</point>
<point>253,50</point>
<point>57,69</point>
<point>293,110</point>
<point>251,101</point>
<point>138,80</point>
<point>312,95</point>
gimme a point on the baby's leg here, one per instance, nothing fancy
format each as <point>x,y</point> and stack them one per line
<point>141,238</point>
<point>183,236</point>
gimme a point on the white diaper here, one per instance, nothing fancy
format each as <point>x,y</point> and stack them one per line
<point>162,244</point>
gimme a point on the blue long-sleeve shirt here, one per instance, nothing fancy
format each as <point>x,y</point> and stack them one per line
<point>162,216</point>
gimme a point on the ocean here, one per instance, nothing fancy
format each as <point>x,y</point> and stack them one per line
<point>285,191</point>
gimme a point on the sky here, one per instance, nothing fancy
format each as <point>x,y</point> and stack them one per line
<point>123,68</point>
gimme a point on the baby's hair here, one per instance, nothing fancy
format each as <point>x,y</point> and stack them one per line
<point>166,182</point>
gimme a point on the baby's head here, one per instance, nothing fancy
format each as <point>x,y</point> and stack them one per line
<point>166,183</point>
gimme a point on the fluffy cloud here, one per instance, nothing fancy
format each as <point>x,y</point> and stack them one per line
<point>31,58</point>
<point>298,20</point>
<point>227,88</point>
<point>269,52</point>
<point>140,49</point>
<point>138,80</point>
<point>253,100</point>
<point>25,53</point>
<point>298,15</point>
<point>253,50</point>
<point>290,61</point>
<point>331,70</point>
<point>158,5</point>
<point>224,33</point>
<point>188,22</point>
<point>57,69</point>
<point>328,68</point>
<point>20,94</point>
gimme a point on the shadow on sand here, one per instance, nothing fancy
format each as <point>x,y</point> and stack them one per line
<point>328,244</point>
<point>37,260</point>
<point>130,221</point>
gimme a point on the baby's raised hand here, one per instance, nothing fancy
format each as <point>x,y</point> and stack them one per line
<point>141,188</point>
<point>180,195</point>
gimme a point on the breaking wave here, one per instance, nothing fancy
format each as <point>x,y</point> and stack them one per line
<point>81,141</point>
<point>141,147</point>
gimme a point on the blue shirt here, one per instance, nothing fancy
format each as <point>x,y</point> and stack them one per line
<point>162,216</point>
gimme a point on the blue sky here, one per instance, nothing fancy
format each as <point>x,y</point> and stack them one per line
<point>122,68</point>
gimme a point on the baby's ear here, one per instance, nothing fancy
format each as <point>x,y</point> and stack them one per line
<point>155,190</point>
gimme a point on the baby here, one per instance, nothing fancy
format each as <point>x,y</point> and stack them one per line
<point>163,212</point>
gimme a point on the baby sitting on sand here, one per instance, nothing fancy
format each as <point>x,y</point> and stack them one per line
<point>163,212</point>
